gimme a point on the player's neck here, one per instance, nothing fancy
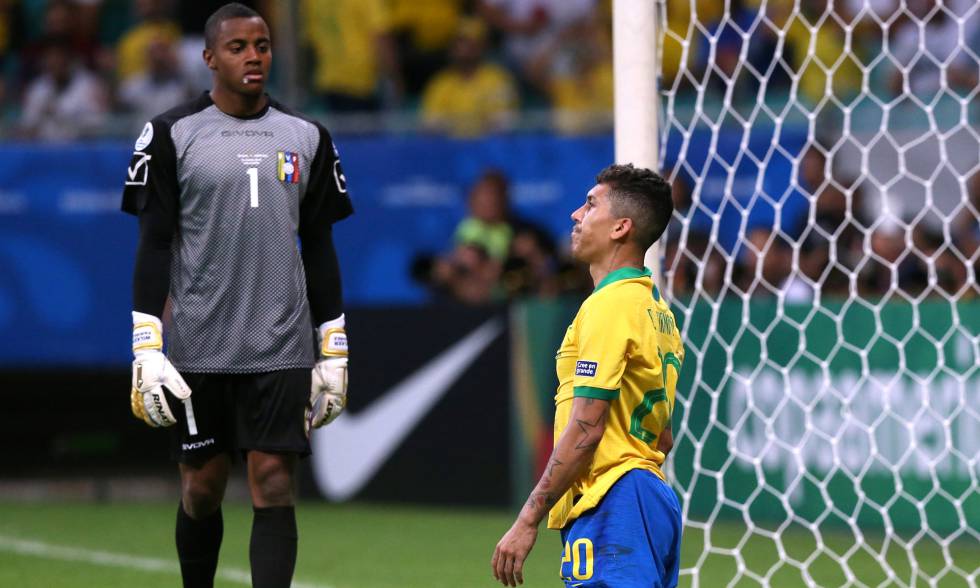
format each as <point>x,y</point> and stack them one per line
<point>617,258</point>
<point>236,104</point>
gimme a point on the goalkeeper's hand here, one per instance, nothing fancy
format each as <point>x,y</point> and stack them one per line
<point>157,386</point>
<point>328,395</point>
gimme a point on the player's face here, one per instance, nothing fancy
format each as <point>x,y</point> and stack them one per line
<point>594,224</point>
<point>242,55</point>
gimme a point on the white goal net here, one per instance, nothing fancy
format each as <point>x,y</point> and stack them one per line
<point>823,264</point>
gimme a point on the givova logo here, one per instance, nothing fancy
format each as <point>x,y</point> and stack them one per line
<point>197,444</point>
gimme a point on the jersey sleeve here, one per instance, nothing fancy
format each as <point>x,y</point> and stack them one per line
<point>604,334</point>
<point>151,177</point>
<point>152,193</point>
<point>326,199</point>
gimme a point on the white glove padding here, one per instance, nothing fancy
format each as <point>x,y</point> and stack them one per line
<point>154,378</point>
<point>156,383</point>
<point>328,394</point>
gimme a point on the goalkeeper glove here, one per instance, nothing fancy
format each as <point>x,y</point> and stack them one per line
<point>156,382</point>
<point>328,396</point>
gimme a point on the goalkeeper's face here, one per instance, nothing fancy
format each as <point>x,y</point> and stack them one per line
<point>241,56</point>
<point>595,226</point>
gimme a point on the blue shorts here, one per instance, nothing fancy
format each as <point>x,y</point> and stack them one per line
<point>631,540</point>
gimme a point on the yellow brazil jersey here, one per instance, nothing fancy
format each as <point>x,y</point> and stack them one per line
<point>131,52</point>
<point>576,98</point>
<point>469,105</point>
<point>431,24</point>
<point>344,35</point>
<point>623,346</point>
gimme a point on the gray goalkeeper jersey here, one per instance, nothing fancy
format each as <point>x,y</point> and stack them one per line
<point>239,188</point>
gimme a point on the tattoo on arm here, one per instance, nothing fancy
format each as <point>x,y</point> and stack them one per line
<point>583,446</point>
<point>555,462</point>
<point>575,448</point>
<point>544,499</point>
<point>586,428</point>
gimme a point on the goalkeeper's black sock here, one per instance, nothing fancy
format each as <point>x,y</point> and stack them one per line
<point>273,548</point>
<point>198,543</point>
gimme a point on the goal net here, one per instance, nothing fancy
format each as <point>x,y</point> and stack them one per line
<point>823,265</point>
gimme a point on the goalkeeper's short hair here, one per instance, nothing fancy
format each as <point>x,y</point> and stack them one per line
<point>226,12</point>
<point>641,195</point>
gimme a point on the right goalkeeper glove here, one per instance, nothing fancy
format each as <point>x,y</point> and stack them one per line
<point>156,382</point>
<point>328,395</point>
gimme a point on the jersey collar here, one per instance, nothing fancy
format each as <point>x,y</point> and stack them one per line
<point>206,98</point>
<point>623,273</point>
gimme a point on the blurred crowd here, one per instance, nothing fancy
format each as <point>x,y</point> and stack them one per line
<point>832,247</point>
<point>835,245</point>
<point>883,48</point>
<point>463,67</point>
<point>73,69</point>
<point>467,67</point>
<point>495,255</point>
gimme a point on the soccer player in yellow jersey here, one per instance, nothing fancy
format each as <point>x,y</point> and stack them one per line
<point>618,365</point>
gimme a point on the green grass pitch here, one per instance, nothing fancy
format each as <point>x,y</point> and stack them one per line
<point>376,546</point>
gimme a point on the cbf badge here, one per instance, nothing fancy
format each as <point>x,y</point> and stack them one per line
<point>288,167</point>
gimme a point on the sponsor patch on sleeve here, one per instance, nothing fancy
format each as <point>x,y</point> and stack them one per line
<point>585,368</point>
<point>139,169</point>
<point>145,138</point>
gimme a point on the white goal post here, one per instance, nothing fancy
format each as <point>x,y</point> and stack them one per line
<point>635,92</point>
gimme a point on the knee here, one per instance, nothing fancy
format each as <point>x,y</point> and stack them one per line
<point>272,483</point>
<point>201,497</point>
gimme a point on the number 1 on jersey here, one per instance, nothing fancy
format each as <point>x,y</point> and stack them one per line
<point>253,185</point>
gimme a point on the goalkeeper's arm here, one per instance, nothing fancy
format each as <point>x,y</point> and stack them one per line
<point>155,382</point>
<point>151,276</point>
<point>328,395</point>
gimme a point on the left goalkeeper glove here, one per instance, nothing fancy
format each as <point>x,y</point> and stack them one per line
<point>156,382</point>
<point>328,396</point>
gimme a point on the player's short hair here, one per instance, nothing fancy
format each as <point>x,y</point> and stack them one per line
<point>226,12</point>
<point>641,195</point>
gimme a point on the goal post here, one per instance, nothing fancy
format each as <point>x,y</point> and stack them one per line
<point>635,93</point>
<point>822,263</point>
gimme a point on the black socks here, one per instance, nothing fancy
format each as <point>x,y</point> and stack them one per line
<point>198,543</point>
<point>272,551</point>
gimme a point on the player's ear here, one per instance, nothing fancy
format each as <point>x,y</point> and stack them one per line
<point>208,56</point>
<point>621,228</point>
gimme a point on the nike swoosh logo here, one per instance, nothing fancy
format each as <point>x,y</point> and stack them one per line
<point>349,451</point>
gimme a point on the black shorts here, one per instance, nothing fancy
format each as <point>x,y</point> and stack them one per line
<point>230,413</point>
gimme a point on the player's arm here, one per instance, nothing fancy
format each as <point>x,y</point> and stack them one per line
<point>151,193</point>
<point>328,394</point>
<point>666,440</point>
<point>604,340</point>
<point>573,452</point>
<point>324,203</point>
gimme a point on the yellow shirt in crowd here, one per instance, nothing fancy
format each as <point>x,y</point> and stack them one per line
<point>430,23</point>
<point>132,48</point>
<point>576,98</point>
<point>343,35</point>
<point>469,105</point>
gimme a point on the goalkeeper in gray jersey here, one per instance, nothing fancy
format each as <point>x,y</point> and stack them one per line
<point>236,196</point>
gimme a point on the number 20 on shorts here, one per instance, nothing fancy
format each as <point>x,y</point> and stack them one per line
<point>580,554</point>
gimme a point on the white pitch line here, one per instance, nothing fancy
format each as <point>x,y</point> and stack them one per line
<point>119,560</point>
